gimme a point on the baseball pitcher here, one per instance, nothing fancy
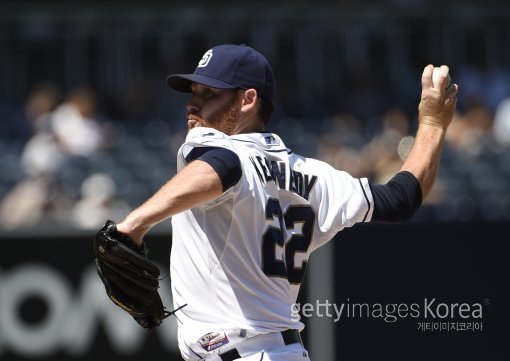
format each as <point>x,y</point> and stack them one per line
<point>247,211</point>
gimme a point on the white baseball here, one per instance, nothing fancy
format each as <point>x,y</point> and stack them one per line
<point>435,78</point>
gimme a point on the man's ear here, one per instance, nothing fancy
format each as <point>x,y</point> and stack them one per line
<point>249,100</point>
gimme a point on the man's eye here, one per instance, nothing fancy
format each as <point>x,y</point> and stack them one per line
<point>207,93</point>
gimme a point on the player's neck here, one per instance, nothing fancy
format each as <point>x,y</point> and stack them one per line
<point>247,126</point>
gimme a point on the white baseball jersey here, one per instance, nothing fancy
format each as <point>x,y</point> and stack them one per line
<point>238,261</point>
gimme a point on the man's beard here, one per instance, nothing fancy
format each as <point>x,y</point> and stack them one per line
<point>224,121</point>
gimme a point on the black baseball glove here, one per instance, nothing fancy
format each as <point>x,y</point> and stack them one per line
<point>130,279</point>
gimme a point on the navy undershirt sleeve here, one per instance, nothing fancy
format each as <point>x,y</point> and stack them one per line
<point>225,162</point>
<point>397,200</point>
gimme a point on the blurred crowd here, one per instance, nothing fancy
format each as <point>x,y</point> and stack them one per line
<point>44,163</point>
<point>64,161</point>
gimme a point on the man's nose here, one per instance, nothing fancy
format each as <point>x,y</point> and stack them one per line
<point>193,106</point>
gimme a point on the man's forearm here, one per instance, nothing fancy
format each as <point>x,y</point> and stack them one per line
<point>424,157</point>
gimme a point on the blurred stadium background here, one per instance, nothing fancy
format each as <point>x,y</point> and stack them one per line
<point>89,129</point>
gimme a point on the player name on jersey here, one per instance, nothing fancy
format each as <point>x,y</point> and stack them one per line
<point>299,183</point>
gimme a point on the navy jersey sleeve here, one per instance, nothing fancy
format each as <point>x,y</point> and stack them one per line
<point>397,200</point>
<point>225,162</point>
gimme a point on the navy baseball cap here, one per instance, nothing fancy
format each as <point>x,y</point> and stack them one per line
<point>230,67</point>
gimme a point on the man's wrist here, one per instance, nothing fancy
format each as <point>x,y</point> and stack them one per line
<point>433,122</point>
<point>132,228</point>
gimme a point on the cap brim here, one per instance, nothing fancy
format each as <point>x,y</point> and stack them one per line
<point>182,82</point>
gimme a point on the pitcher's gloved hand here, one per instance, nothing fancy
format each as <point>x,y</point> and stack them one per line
<point>131,280</point>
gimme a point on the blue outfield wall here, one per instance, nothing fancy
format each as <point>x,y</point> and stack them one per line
<point>428,291</point>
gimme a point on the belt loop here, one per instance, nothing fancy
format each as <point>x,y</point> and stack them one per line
<point>291,336</point>
<point>230,355</point>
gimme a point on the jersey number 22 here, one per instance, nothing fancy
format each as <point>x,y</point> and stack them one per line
<point>299,242</point>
